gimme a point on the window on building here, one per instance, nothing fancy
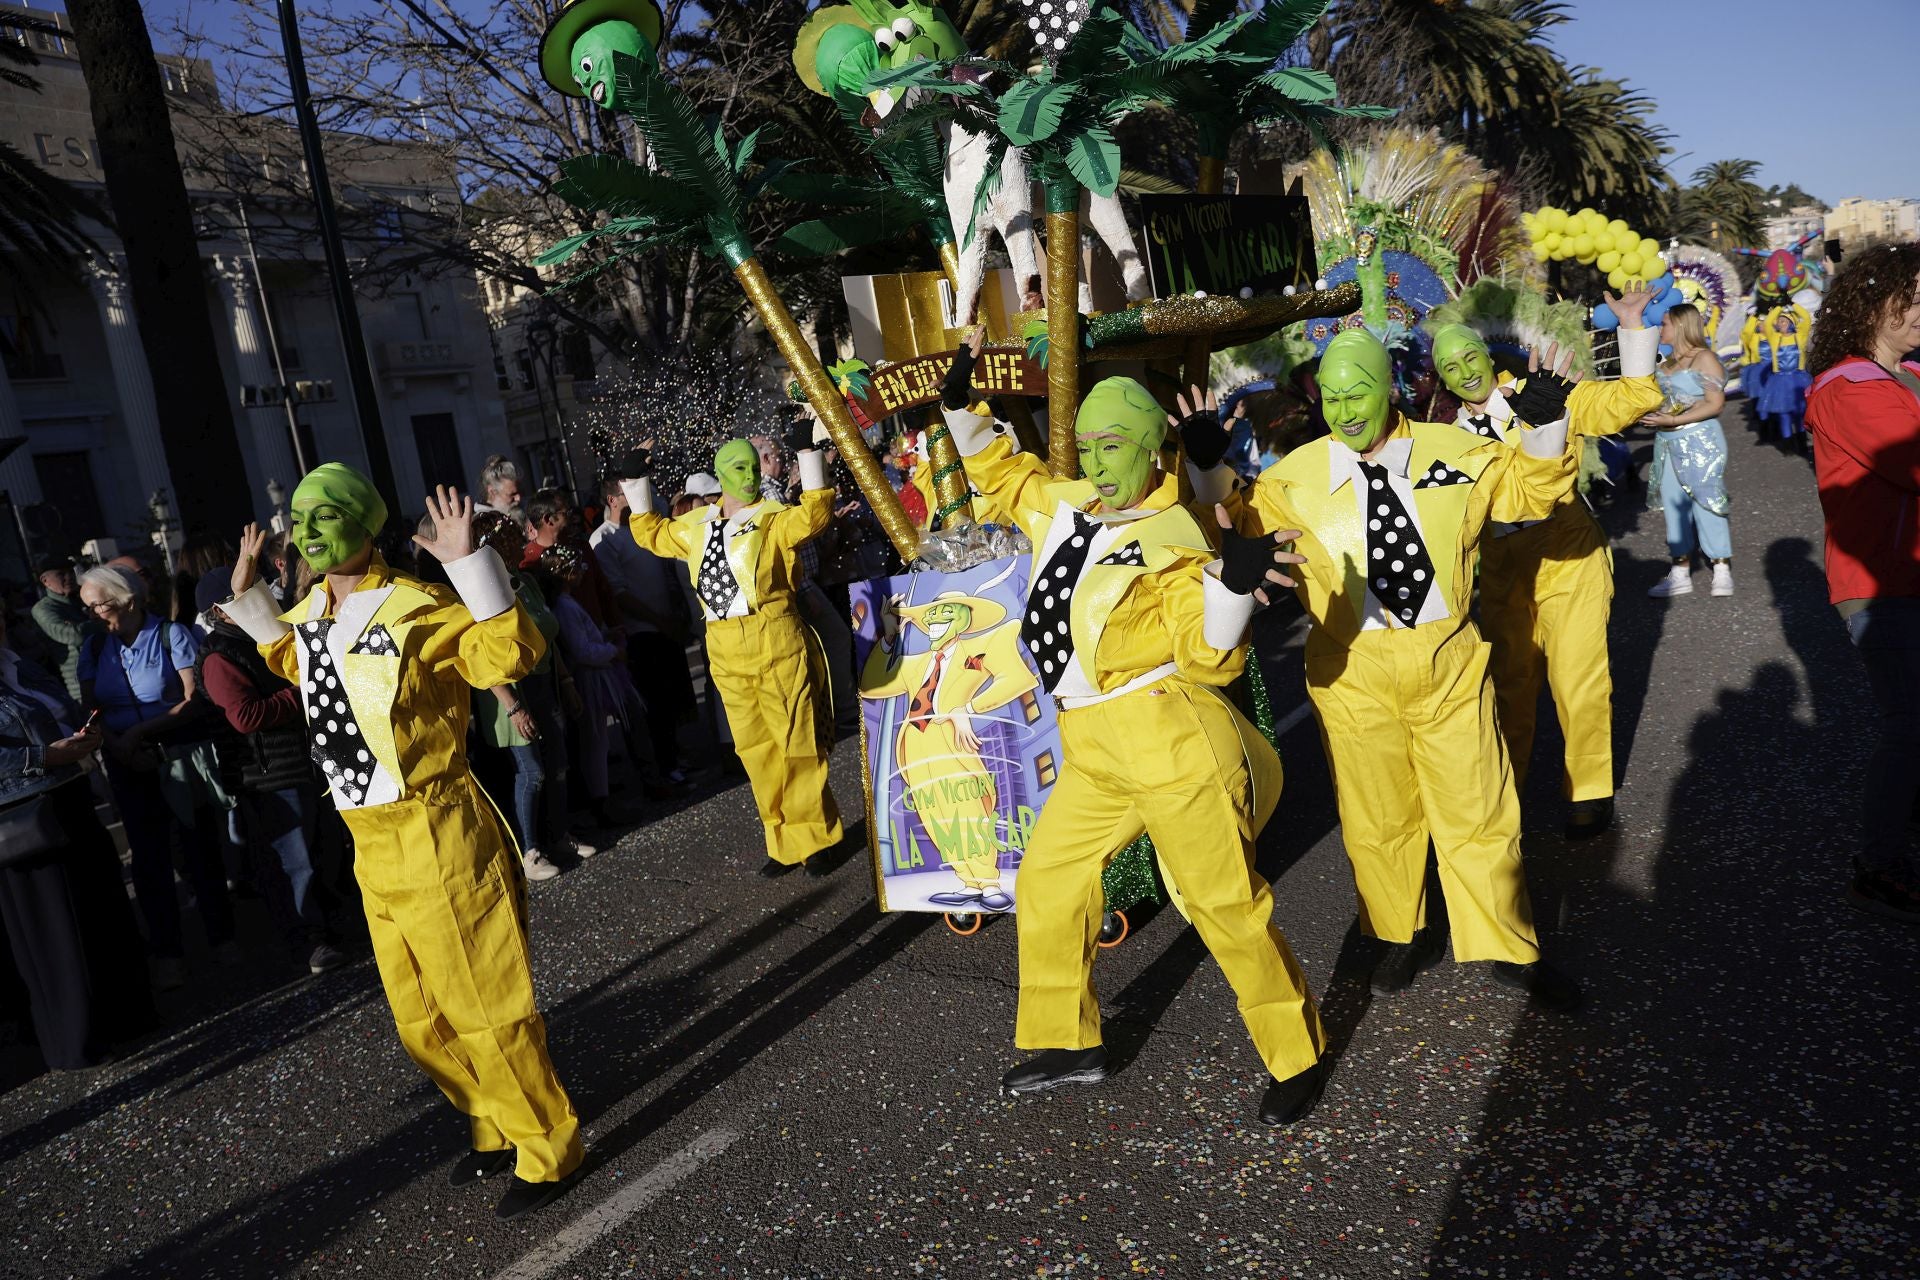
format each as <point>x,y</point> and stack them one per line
<point>525,361</point>
<point>285,336</point>
<point>410,310</point>
<point>576,354</point>
<point>76,516</point>
<point>25,350</point>
<point>439,448</point>
<point>389,224</point>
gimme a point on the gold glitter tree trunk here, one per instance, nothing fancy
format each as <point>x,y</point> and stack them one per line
<point>1063,326</point>
<point>828,403</point>
<point>950,488</point>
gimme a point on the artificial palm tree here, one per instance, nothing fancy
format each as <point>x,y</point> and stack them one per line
<point>700,195</point>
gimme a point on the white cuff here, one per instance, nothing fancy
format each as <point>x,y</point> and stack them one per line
<point>639,494</point>
<point>813,469</point>
<point>1549,441</point>
<point>1212,485</point>
<point>1639,352</point>
<point>1224,622</point>
<point>257,613</point>
<point>972,432</point>
<point>483,583</point>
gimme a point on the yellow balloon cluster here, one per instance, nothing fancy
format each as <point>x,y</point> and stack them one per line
<point>1590,239</point>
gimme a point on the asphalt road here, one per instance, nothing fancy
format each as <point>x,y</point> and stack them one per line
<point>777,1081</point>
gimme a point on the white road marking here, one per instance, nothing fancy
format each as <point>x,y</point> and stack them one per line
<point>572,1239</point>
<point>1292,718</point>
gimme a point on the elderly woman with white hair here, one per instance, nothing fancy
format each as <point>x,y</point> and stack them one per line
<point>139,678</point>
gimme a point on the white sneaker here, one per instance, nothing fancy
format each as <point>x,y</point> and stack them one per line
<point>1722,579</point>
<point>1678,582</point>
<point>535,864</point>
<point>580,848</point>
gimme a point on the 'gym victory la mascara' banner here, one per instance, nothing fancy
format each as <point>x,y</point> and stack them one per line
<point>1223,244</point>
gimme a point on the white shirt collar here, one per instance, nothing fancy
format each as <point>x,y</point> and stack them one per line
<point>1344,463</point>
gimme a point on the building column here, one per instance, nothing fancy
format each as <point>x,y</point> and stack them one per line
<point>17,475</point>
<point>272,446</point>
<point>132,384</point>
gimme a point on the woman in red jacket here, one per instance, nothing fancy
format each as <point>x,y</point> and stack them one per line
<point>1864,413</point>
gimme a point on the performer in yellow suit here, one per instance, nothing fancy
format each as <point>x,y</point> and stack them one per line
<point>973,669</point>
<point>1134,638</point>
<point>1390,513</point>
<point>1546,586</point>
<point>769,669</point>
<point>386,667</point>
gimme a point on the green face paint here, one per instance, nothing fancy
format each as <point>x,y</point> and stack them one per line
<point>1462,360</point>
<point>1120,470</point>
<point>944,622</point>
<point>1356,389</point>
<point>737,467</point>
<point>326,537</point>
<point>593,60</point>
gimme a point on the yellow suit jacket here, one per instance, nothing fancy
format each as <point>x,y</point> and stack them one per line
<point>761,544</point>
<point>1504,483</point>
<point>983,672</point>
<point>1125,619</point>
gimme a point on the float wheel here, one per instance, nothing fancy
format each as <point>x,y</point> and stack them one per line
<point>1114,929</point>
<point>964,923</point>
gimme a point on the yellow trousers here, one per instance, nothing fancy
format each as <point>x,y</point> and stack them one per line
<point>1408,721</point>
<point>956,798</point>
<point>1545,595</point>
<point>446,908</point>
<point>1177,761</point>
<point>772,680</point>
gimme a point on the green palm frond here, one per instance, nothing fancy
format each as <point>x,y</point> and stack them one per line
<point>615,185</point>
<point>1136,182</point>
<point>680,139</point>
<point>875,224</point>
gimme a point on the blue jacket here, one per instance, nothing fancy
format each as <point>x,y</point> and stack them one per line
<point>26,729</point>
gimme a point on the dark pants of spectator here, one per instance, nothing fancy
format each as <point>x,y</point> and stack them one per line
<point>659,666</point>
<point>1887,635</point>
<point>74,941</point>
<point>150,824</point>
<point>285,823</point>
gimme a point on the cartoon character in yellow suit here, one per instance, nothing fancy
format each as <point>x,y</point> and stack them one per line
<point>1135,633</point>
<point>768,667</point>
<point>1546,586</point>
<point>973,669</point>
<point>386,667</point>
<point>1390,514</point>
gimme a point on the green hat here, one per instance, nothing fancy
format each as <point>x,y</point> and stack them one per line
<point>1453,335</point>
<point>556,47</point>
<point>1124,407</point>
<point>347,489</point>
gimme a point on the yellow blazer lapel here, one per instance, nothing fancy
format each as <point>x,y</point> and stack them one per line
<point>1445,465</point>
<point>372,665</point>
<point>1334,540</point>
<point>743,548</point>
<point>1143,546</point>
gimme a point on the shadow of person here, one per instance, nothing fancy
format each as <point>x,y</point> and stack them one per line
<point>1813,630</point>
<point>1731,1101</point>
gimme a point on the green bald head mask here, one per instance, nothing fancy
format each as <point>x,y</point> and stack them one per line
<point>1118,434</point>
<point>593,61</point>
<point>1461,359</point>
<point>1356,389</point>
<point>737,466</point>
<point>336,512</point>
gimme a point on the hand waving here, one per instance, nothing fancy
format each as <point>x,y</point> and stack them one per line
<point>1631,305</point>
<point>1544,398</point>
<point>1202,434</point>
<point>253,540</point>
<point>452,517</point>
<point>1249,565</point>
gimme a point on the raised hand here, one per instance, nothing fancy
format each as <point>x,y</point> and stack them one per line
<point>1630,306</point>
<point>1202,434</point>
<point>451,513</point>
<point>1253,566</point>
<point>956,391</point>
<point>253,540</point>
<point>1544,398</point>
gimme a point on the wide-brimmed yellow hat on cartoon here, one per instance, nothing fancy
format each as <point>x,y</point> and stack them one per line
<point>953,614</point>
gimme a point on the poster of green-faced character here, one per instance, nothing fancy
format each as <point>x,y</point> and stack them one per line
<point>961,746</point>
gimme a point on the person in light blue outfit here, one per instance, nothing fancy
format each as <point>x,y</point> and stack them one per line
<point>1690,456</point>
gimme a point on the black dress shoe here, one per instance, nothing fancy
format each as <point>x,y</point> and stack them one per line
<point>1055,1067</point>
<point>1545,985</point>
<point>1404,961</point>
<point>478,1166</point>
<point>1589,818</point>
<point>818,865</point>
<point>524,1197</point>
<point>1293,1099</point>
<point>771,870</point>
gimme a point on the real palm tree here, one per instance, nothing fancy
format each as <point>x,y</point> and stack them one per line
<point>1727,190</point>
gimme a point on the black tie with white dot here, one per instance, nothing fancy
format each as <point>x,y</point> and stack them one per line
<point>716,584</point>
<point>336,743</point>
<point>1399,570</point>
<point>1047,629</point>
<point>1481,424</point>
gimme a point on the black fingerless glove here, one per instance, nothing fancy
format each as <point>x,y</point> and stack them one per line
<point>1542,400</point>
<point>1204,439</point>
<point>634,464</point>
<point>957,391</point>
<point>800,434</point>
<point>1244,562</point>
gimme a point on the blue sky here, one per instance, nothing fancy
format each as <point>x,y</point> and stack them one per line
<point>1802,88</point>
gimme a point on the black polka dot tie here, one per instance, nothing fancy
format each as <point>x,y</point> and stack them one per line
<point>1440,474</point>
<point>1481,424</point>
<point>1129,556</point>
<point>1047,628</point>
<point>378,641</point>
<point>334,736</point>
<point>716,584</point>
<point>1399,570</point>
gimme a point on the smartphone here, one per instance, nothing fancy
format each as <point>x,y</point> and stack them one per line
<point>93,722</point>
